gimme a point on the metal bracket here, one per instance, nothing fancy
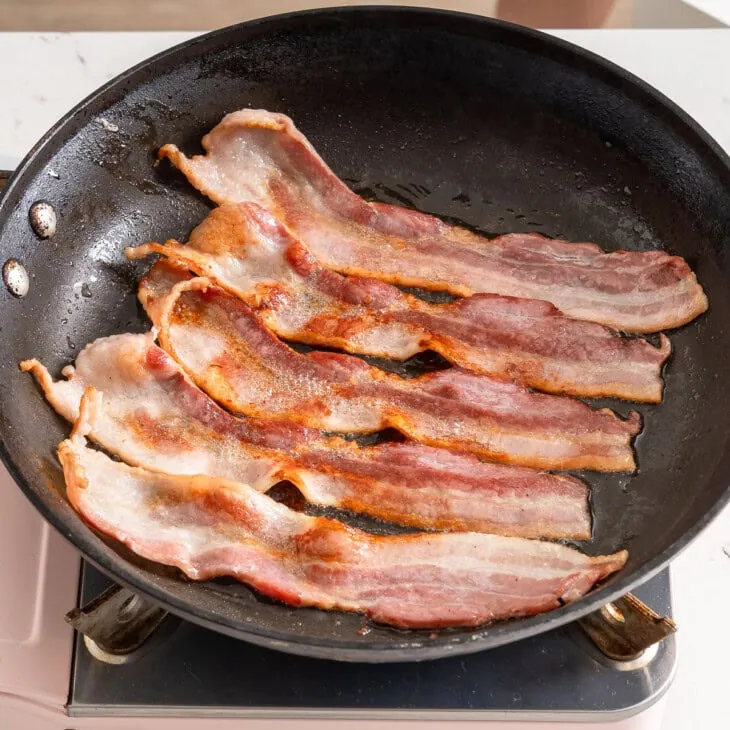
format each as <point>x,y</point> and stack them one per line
<point>116,624</point>
<point>625,629</point>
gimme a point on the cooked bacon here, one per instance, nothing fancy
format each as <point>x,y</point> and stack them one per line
<point>260,157</point>
<point>247,251</point>
<point>210,527</point>
<point>154,417</point>
<point>229,353</point>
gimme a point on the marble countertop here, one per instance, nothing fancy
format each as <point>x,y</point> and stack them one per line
<point>42,75</point>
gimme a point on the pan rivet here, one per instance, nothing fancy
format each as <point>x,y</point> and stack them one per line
<point>16,278</point>
<point>42,219</point>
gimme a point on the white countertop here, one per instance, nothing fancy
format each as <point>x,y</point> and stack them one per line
<point>43,75</point>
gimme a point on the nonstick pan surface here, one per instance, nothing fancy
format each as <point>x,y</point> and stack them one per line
<point>498,127</point>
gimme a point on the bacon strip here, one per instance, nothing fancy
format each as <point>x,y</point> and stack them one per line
<point>154,417</point>
<point>229,353</point>
<point>213,527</point>
<point>247,251</point>
<point>260,157</point>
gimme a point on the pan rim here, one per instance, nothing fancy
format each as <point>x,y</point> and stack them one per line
<point>489,636</point>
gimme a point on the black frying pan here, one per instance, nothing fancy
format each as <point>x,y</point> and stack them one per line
<point>509,129</point>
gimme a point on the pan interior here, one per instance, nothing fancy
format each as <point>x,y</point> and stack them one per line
<point>499,128</point>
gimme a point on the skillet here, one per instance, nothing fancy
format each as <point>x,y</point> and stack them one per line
<point>496,126</point>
